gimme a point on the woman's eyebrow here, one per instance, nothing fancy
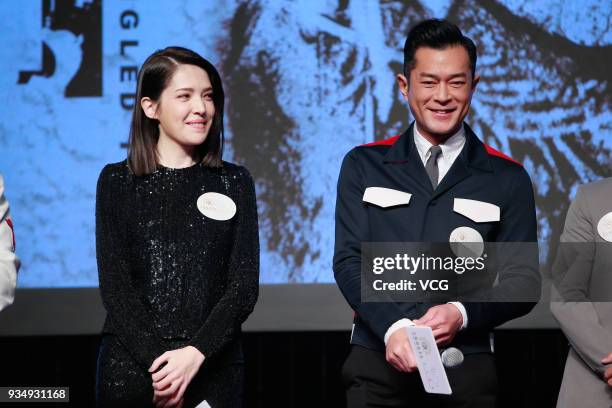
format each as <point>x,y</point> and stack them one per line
<point>208,88</point>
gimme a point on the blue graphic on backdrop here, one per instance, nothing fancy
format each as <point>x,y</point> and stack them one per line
<point>306,81</point>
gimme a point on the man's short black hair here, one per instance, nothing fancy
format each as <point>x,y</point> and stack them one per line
<point>437,34</point>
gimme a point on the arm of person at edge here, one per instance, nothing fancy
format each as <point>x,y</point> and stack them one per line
<point>572,271</point>
<point>9,262</point>
<point>178,367</point>
<point>608,373</point>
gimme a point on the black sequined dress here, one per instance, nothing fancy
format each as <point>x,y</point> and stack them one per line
<point>171,277</point>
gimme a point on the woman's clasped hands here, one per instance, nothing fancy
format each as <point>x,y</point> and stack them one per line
<point>171,373</point>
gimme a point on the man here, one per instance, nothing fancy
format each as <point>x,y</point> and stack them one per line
<point>582,277</point>
<point>437,161</point>
<point>9,263</point>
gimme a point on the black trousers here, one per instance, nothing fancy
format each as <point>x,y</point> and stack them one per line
<point>372,382</point>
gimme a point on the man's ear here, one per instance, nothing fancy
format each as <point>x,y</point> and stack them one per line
<point>475,82</point>
<point>402,83</point>
<point>149,107</point>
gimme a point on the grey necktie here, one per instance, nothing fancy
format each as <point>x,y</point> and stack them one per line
<point>431,167</point>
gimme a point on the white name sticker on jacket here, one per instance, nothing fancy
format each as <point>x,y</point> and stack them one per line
<point>466,242</point>
<point>604,227</point>
<point>477,211</point>
<point>386,197</point>
<point>216,206</point>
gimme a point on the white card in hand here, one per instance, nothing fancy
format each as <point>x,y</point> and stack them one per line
<point>428,360</point>
<point>203,404</point>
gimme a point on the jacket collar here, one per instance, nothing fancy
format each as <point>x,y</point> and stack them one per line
<point>473,155</point>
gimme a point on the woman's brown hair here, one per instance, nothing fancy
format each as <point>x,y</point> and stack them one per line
<point>154,76</point>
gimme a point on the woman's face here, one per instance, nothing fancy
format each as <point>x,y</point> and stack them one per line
<point>185,109</point>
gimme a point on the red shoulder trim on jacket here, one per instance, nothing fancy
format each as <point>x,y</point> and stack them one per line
<point>497,153</point>
<point>386,142</point>
<point>10,224</point>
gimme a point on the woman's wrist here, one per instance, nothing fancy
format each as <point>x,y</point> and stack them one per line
<point>199,355</point>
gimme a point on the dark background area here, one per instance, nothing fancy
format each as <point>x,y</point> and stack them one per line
<point>286,369</point>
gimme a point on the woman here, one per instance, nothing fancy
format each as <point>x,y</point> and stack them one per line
<point>177,247</point>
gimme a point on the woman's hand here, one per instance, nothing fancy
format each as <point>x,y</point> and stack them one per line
<point>170,382</point>
<point>163,403</point>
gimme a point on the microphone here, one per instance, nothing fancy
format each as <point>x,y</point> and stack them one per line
<point>451,357</point>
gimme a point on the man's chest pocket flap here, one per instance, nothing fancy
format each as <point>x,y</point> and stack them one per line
<point>386,197</point>
<point>477,211</point>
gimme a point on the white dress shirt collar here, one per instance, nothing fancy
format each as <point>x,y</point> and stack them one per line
<point>452,145</point>
<point>451,149</point>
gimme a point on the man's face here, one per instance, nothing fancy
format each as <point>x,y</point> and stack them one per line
<point>439,90</point>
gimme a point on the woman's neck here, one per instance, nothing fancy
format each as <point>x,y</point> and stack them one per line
<point>172,155</point>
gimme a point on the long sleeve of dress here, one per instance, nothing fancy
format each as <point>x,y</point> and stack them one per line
<point>131,320</point>
<point>238,301</point>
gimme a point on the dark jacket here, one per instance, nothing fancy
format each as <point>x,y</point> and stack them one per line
<point>479,173</point>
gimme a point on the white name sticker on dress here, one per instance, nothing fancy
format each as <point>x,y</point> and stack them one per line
<point>216,206</point>
<point>604,227</point>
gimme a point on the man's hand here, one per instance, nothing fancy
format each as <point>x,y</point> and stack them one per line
<point>170,382</point>
<point>399,353</point>
<point>444,320</point>
<point>608,372</point>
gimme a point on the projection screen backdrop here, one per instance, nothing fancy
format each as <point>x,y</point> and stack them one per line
<point>305,82</point>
